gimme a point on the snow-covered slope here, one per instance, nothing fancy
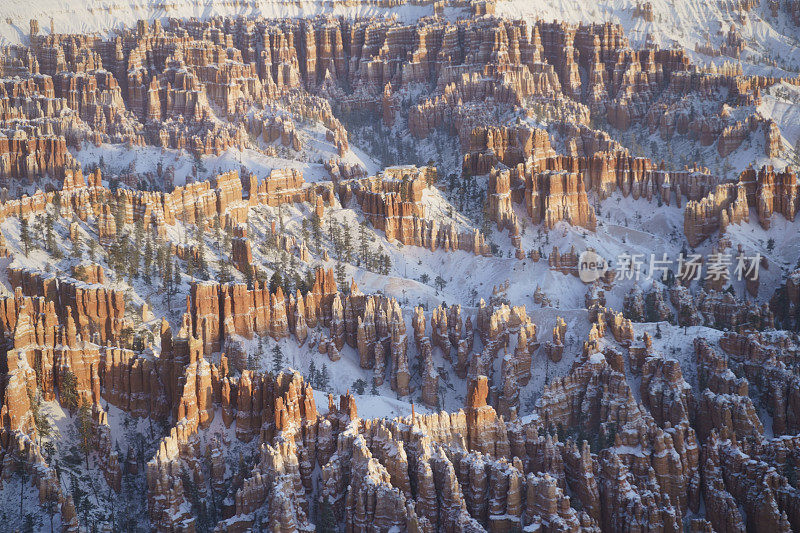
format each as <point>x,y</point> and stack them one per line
<point>89,16</point>
<point>683,23</point>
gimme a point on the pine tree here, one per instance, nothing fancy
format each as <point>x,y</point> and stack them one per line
<point>40,420</point>
<point>277,359</point>
<point>224,271</point>
<point>385,261</point>
<point>85,428</point>
<point>132,260</point>
<point>789,472</point>
<point>202,264</point>
<point>200,222</point>
<point>333,235</point>
<point>316,228</point>
<point>92,249</point>
<point>190,265</point>
<point>341,279</point>
<point>139,233</point>
<point>275,281</point>
<point>167,281</point>
<point>51,507</point>
<point>347,243</point>
<point>227,241</point>
<point>217,232</point>
<point>148,259</point>
<point>80,498</point>
<point>249,276</point>
<point>68,391</point>
<point>57,203</point>
<point>254,360</point>
<point>176,282</point>
<point>312,373</point>
<point>304,230</point>
<point>22,470</point>
<point>359,386</point>
<point>119,213</point>
<point>363,244</point>
<point>25,236</point>
<point>327,520</point>
<point>324,377</point>
<point>77,248</point>
<point>50,236</point>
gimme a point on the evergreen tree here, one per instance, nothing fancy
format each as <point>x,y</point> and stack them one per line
<point>50,235</point>
<point>51,507</point>
<point>167,281</point>
<point>341,280</point>
<point>789,472</point>
<point>359,386</point>
<point>312,373</point>
<point>347,243</point>
<point>316,229</point>
<point>327,520</point>
<point>119,213</point>
<point>77,248</point>
<point>132,258</point>
<point>304,230</point>
<point>275,281</point>
<point>57,203</point>
<point>40,420</point>
<point>277,359</point>
<point>601,441</point>
<point>148,259</point>
<point>139,233</point>
<point>68,390</point>
<point>218,232</point>
<point>92,249</point>
<point>224,271</point>
<point>80,498</point>
<point>333,235</point>
<point>22,470</point>
<point>85,428</point>
<point>202,264</point>
<point>385,262</point>
<point>190,266</point>
<point>25,236</point>
<point>324,377</point>
<point>200,222</point>
<point>254,359</point>
<point>176,282</point>
<point>227,241</point>
<point>363,244</point>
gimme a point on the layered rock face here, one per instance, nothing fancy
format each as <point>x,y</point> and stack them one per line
<point>473,469</point>
<point>610,434</point>
<point>711,308</point>
<point>768,191</point>
<point>392,202</point>
<point>95,310</point>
